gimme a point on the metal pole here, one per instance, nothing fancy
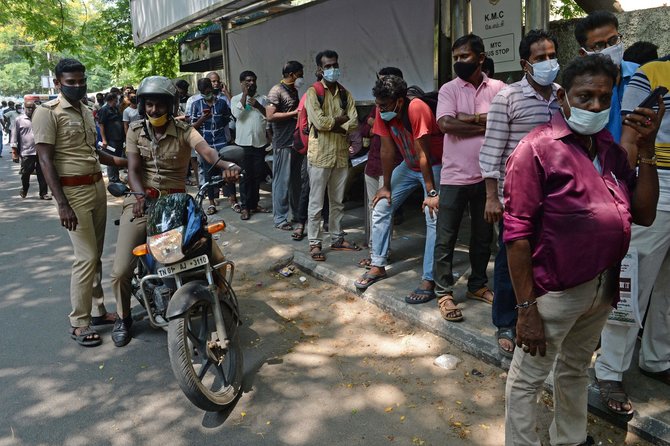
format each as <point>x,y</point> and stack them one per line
<point>224,54</point>
<point>537,15</point>
<point>460,18</point>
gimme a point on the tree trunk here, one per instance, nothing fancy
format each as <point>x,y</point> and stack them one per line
<point>594,5</point>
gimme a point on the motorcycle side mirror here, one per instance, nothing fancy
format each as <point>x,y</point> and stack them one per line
<point>118,189</point>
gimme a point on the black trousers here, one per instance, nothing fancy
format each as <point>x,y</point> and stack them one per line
<point>30,164</point>
<point>253,164</point>
<point>452,205</point>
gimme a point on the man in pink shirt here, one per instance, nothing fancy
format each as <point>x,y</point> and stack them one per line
<point>461,115</point>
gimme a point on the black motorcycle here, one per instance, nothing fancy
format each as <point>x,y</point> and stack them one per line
<point>187,291</point>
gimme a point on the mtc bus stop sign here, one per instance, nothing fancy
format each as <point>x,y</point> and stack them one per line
<point>498,23</point>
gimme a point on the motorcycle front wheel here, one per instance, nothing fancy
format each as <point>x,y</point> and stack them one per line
<point>209,375</point>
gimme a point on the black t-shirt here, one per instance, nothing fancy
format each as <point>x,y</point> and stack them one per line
<point>113,122</point>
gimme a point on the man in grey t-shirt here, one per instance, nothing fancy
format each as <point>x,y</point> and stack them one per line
<point>282,113</point>
<point>130,113</point>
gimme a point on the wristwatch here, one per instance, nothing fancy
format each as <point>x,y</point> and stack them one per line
<point>432,193</point>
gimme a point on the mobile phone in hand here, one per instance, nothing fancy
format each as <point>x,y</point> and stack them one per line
<point>652,100</point>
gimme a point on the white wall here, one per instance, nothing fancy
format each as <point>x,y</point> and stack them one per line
<point>367,34</point>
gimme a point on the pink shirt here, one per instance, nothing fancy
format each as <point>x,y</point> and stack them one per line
<point>460,157</point>
<point>577,220</point>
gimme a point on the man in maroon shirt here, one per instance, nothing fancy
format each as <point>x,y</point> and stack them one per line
<point>570,199</point>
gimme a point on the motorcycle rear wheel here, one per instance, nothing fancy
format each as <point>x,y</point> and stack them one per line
<point>210,377</point>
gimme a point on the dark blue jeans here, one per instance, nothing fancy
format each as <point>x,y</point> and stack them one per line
<point>503,312</point>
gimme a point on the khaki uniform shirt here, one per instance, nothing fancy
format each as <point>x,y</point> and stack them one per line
<point>326,148</point>
<point>71,132</point>
<point>164,161</point>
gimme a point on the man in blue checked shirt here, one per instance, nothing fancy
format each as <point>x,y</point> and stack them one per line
<point>210,115</point>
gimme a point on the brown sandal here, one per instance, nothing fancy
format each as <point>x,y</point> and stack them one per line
<point>483,294</point>
<point>316,253</point>
<point>449,312</point>
<point>244,215</point>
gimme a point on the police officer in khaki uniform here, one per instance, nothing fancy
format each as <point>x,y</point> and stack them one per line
<point>65,141</point>
<point>159,150</point>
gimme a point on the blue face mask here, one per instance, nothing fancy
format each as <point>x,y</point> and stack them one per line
<point>331,74</point>
<point>388,115</point>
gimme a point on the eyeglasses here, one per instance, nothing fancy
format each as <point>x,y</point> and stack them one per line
<point>614,40</point>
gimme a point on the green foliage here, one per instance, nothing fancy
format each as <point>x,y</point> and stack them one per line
<point>566,9</point>
<point>36,34</point>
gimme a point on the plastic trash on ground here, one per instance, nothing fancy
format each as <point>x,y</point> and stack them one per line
<point>448,362</point>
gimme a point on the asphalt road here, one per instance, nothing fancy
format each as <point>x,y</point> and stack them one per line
<point>322,367</point>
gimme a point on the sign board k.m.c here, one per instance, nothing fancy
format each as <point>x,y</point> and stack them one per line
<point>498,23</point>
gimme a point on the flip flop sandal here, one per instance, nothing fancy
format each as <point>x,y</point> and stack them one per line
<point>345,246</point>
<point>420,296</point>
<point>261,210</point>
<point>508,334</point>
<point>299,233</point>
<point>481,294</point>
<point>365,263</point>
<point>316,253</point>
<point>449,314</point>
<point>368,279</point>
<point>613,391</point>
<point>87,337</point>
<point>211,209</point>
<point>244,215</point>
<point>286,226</point>
<point>236,207</point>
<point>103,320</point>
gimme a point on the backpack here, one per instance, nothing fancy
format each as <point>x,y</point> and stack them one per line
<point>302,127</point>
<point>430,98</point>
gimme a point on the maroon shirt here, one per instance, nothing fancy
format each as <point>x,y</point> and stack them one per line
<point>578,221</point>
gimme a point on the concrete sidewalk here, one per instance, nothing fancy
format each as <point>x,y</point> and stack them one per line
<point>475,335</point>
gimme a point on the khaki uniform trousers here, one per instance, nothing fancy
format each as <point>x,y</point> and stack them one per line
<point>89,204</point>
<point>573,320</point>
<point>131,234</point>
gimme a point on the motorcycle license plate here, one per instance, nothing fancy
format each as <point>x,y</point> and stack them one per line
<point>183,266</point>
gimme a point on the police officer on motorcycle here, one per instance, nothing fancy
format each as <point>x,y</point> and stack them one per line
<point>158,148</point>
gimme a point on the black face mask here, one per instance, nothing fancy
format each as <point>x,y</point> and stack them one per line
<point>133,100</point>
<point>464,70</point>
<point>75,94</point>
<point>216,91</point>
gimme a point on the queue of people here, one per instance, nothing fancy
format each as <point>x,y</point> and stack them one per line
<point>553,167</point>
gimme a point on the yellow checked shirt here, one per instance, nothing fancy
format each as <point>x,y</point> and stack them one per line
<point>71,132</point>
<point>326,148</point>
<point>165,162</point>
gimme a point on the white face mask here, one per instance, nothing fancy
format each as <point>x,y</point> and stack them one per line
<point>614,52</point>
<point>545,72</point>
<point>299,82</point>
<point>585,122</point>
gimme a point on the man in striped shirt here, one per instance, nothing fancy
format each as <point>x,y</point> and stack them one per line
<point>515,111</point>
<point>653,249</point>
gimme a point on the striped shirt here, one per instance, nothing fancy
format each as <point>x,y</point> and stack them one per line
<point>514,112</point>
<point>643,82</point>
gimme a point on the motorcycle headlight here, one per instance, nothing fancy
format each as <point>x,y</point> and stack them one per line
<point>166,247</point>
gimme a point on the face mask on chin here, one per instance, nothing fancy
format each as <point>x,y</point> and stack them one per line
<point>159,121</point>
<point>584,122</point>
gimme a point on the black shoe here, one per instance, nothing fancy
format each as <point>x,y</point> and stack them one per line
<point>121,331</point>
<point>589,441</point>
